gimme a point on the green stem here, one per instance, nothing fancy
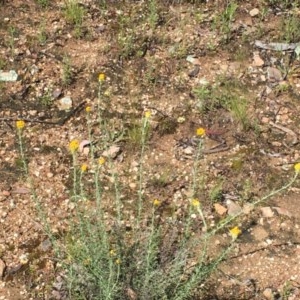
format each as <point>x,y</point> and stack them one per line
<point>141,170</point>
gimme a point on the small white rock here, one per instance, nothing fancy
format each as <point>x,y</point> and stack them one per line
<point>254,12</point>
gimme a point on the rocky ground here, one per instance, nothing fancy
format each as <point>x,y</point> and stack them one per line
<point>230,67</point>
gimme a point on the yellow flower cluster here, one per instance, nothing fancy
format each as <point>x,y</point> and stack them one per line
<point>88,109</point>
<point>20,124</point>
<point>73,146</point>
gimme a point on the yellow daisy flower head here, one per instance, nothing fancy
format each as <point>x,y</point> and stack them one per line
<point>156,202</point>
<point>118,261</point>
<point>112,252</point>
<point>297,167</point>
<point>83,168</point>
<point>147,114</point>
<point>200,132</point>
<point>195,202</point>
<point>235,232</point>
<point>101,77</point>
<point>20,124</point>
<point>88,109</point>
<point>101,161</point>
<point>73,146</point>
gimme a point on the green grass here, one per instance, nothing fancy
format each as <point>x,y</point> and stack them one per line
<point>43,3</point>
<point>75,14</point>
<point>223,21</point>
<point>227,93</point>
<point>290,29</point>
<point>67,74</point>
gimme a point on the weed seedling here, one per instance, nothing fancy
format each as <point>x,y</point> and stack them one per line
<point>74,14</point>
<point>66,71</point>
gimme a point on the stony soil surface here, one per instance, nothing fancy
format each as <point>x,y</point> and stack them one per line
<point>161,64</point>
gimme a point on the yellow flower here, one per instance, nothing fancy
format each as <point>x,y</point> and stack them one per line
<point>101,161</point>
<point>73,146</point>
<point>101,77</point>
<point>118,261</point>
<point>147,114</point>
<point>297,167</point>
<point>112,252</point>
<point>84,168</point>
<point>156,202</point>
<point>235,232</point>
<point>195,202</point>
<point>200,132</point>
<point>88,109</point>
<point>20,124</point>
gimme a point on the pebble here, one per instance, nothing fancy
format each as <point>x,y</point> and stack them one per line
<point>267,212</point>
<point>265,120</point>
<point>45,245</point>
<point>268,294</point>
<point>254,12</point>
<point>65,103</point>
<point>257,60</point>
<point>233,208</point>
<point>8,76</point>
<point>112,151</point>
<point>274,74</point>
<point>56,93</point>
<point>220,209</point>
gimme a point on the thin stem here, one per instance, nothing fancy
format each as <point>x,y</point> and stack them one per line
<point>141,170</point>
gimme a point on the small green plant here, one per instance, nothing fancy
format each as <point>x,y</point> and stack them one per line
<point>153,14</point>
<point>66,71</point>
<point>227,93</point>
<point>74,14</point>
<point>126,36</point>
<point>223,21</point>
<point>12,33</point>
<point>46,99</point>
<point>102,4</point>
<point>43,3</point>
<point>290,29</point>
<point>134,136</point>
<point>216,193</point>
<point>42,34</point>
<point>287,290</point>
<point>239,109</point>
<point>2,63</point>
